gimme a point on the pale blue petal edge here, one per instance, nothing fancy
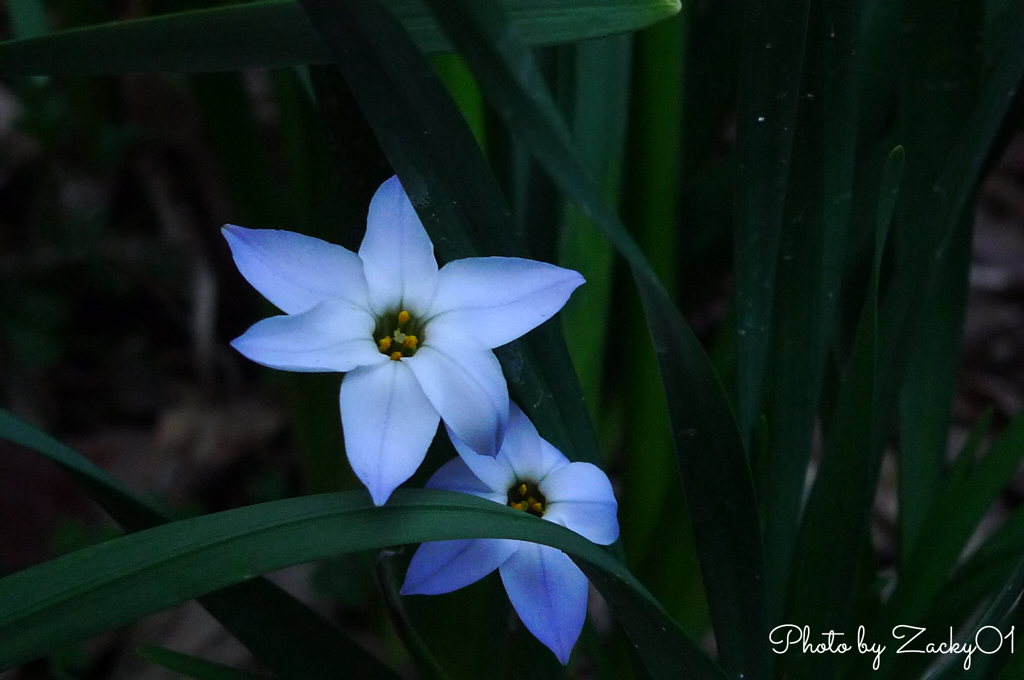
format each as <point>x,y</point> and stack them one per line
<point>549,592</point>
<point>388,425</point>
<point>443,566</point>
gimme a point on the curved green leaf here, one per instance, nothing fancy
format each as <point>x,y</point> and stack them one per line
<point>277,33</point>
<point>113,583</point>
<point>130,512</point>
<point>712,464</point>
<point>247,610</point>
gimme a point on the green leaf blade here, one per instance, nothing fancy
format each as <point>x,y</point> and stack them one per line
<point>709,452</point>
<point>112,583</point>
<point>941,73</point>
<point>770,70</point>
<point>277,33</point>
<point>834,527</point>
<point>248,610</point>
<point>810,268</point>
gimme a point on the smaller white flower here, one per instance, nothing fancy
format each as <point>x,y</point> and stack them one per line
<point>547,589</point>
<point>414,340</point>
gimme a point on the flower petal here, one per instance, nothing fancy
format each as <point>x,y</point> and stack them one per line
<point>549,592</point>
<point>388,424</point>
<point>498,299</point>
<point>332,336</point>
<point>397,255</point>
<point>455,475</point>
<point>444,566</point>
<point>524,449</point>
<point>580,497</point>
<point>521,447</point>
<point>524,454</point>
<point>466,386</point>
<point>295,272</point>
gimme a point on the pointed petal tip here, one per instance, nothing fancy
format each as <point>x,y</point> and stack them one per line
<point>397,253</point>
<point>414,585</point>
<point>388,425</point>
<point>380,495</point>
<point>549,593</point>
<point>498,299</point>
<point>233,230</point>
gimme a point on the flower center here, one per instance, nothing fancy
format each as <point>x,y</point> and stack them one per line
<point>397,334</point>
<point>525,495</point>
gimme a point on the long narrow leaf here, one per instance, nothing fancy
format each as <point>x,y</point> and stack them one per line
<point>901,307</point>
<point>248,610</point>
<point>942,68</point>
<point>710,456</point>
<point>600,108</point>
<point>112,583</point>
<point>456,196</point>
<point>899,312</point>
<point>810,268</point>
<point>650,210</point>
<point>277,33</point>
<point>834,527</point>
<point>956,512</point>
<point>772,59</point>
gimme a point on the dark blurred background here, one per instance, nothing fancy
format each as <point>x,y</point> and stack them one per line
<point>118,299</point>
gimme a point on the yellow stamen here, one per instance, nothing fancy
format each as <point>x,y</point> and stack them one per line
<point>522,489</point>
<point>536,507</point>
<point>410,342</point>
<point>385,343</point>
<point>395,356</point>
<point>403,316</point>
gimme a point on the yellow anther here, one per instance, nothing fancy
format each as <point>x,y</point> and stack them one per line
<point>522,489</point>
<point>395,356</point>
<point>537,507</point>
<point>385,343</point>
<point>410,342</point>
<point>403,316</point>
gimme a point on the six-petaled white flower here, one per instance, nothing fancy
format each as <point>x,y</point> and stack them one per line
<point>548,591</point>
<point>414,340</point>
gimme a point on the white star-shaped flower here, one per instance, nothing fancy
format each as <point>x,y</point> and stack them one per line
<point>547,589</point>
<point>414,340</point>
